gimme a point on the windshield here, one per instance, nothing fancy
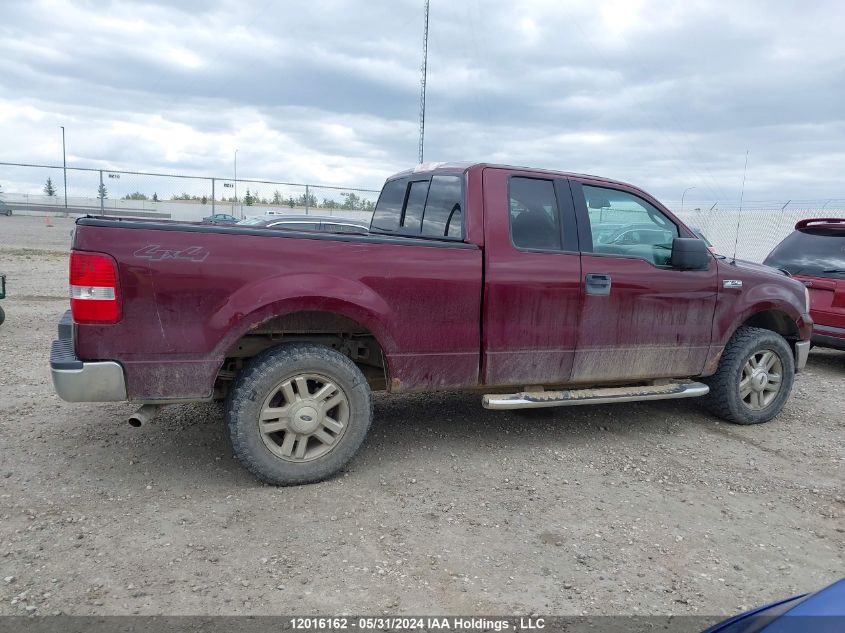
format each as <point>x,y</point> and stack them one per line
<point>815,252</point>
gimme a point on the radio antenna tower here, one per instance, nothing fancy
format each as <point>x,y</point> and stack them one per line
<point>422,82</point>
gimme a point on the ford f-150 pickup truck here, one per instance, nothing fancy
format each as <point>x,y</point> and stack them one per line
<point>522,284</point>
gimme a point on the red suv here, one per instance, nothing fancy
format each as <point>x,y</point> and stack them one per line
<point>815,254</point>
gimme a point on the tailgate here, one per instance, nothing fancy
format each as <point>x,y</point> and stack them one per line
<point>827,300</point>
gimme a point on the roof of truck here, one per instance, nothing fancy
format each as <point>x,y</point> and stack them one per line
<point>462,166</point>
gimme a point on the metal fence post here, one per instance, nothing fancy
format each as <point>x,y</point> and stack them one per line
<point>102,197</point>
<point>64,166</point>
<point>782,209</point>
<point>306,199</point>
<point>212,195</point>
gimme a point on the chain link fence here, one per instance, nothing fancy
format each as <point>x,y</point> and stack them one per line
<point>751,232</point>
<point>754,230</point>
<point>40,189</point>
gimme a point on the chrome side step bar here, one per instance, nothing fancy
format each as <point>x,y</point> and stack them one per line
<point>599,395</point>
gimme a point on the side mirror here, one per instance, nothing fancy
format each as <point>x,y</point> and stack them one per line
<point>689,253</point>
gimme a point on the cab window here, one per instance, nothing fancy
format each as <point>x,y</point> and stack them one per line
<point>412,218</point>
<point>626,225</point>
<point>443,215</point>
<point>388,210</point>
<point>430,207</point>
<point>534,215</point>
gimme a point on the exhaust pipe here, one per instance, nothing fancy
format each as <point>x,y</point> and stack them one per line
<point>144,415</point>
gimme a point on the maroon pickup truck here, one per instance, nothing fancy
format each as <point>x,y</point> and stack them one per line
<point>535,288</point>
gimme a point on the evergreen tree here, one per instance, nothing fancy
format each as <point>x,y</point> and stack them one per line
<point>350,200</point>
<point>102,192</point>
<point>155,197</point>
<point>310,200</point>
<point>49,189</point>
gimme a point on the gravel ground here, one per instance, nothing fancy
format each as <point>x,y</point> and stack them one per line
<point>449,508</point>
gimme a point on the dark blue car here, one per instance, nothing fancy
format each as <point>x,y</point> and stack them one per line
<point>819,612</point>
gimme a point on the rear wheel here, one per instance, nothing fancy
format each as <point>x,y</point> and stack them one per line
<point>754,378</point>
<point>298,413</point>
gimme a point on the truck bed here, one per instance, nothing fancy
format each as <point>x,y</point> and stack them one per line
<point>191,292</point>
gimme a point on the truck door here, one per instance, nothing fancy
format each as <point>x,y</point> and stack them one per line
<point>640,318</point>
<point>532,285</point>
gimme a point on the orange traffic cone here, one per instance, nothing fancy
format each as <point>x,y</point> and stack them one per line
<point>48,221</point>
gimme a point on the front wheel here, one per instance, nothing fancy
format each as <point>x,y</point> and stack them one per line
<point>754,378</point>
<point>298,413</point>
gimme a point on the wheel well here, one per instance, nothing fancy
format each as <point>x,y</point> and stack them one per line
<point>776,321</point>
<point>338,332</point>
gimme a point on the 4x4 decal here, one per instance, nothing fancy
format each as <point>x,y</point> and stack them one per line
<point>158,253</point>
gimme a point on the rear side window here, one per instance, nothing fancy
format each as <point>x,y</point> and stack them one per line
<point>813,252</point>
<point>443,212</point>
<point>534,215</point>
<point>389,207</point>
<point>421,207</point>
<point>412,218</point>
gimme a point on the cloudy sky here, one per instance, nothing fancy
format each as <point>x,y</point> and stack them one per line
<point>665,94</point>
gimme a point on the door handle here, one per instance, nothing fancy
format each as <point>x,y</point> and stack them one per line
<point>597,284</point>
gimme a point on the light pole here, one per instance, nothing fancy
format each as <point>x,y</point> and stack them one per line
<point>683,194</point>
<point>64,164</point>
<point>236,179</point>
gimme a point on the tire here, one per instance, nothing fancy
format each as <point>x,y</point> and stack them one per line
<point>309,394</point>
<point>756,400</point>
<point>2,316</point>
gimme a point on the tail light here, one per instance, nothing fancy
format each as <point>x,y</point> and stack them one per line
<point>94,293</point>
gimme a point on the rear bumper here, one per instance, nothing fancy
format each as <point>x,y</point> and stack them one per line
<point>802,350</point>
<point>79,381</point>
